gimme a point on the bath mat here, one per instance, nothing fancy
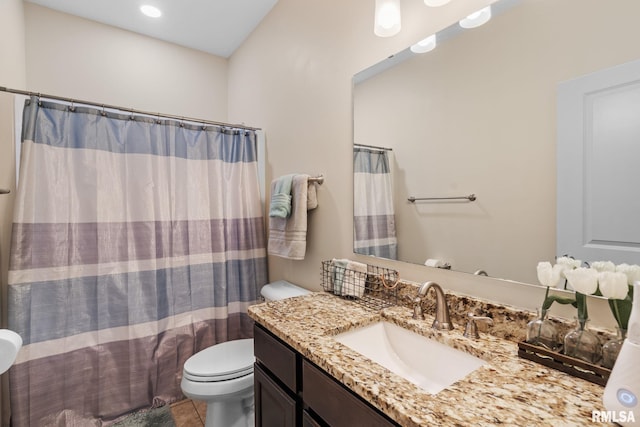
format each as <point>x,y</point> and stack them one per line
<point>157,417</point>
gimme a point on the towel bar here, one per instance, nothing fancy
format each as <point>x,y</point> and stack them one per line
<point>470,197</point>
<point>317,179</point>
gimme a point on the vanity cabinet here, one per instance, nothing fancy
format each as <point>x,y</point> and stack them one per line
<point>292,391</point>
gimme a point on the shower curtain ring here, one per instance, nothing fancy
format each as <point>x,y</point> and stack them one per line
<point>103,113</point>
<point>158,121</point>
<point>72,107</point>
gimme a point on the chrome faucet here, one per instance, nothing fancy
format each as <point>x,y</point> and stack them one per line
<point>442,320</point>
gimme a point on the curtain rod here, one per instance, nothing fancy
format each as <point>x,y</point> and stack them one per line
<point>128,110</point>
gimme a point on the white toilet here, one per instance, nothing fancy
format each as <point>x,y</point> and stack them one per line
<point>222,375</point>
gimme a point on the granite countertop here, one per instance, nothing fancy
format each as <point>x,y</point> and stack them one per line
<point>508,390</point>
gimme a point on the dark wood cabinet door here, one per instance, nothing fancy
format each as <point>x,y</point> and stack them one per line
<point>274,407</point>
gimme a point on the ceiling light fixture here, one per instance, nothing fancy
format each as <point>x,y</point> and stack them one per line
<point>150,11</point>
<point>387,21</point>
<point>436,3</point>
<point>477,18</point>
<point>425,45</point>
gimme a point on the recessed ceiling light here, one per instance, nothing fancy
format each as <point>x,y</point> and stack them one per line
<point>435,3</point>
<point>150,11</point>
<point>476,19</point>
<point>424,46</point>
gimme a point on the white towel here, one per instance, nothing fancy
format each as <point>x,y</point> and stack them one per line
<point>288,236</point>
<point>354,280</point>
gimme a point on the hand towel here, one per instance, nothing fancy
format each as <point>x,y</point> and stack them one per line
<point>281,197</point>
<point>355,279</point>
<point>338,267</point>
<point>288,236</point>
<point>312,196</point>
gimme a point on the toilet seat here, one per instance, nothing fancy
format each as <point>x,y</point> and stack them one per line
<point>221,362</point>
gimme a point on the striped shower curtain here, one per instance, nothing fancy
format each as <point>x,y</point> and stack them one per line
<point>136,242</point>
<point>374,227</point>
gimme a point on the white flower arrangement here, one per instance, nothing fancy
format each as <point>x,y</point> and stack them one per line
<point>614,282</point>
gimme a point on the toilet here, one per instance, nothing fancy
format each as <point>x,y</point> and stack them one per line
<point>222,375</point>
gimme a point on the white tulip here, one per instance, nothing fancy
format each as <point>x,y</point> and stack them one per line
<point>631,271</point>
<point>569,262</point>
<point>603,266</point>
<point>547,275</point>
<point>633,274</point>
<point>583,280</point>
<point>613,285</point>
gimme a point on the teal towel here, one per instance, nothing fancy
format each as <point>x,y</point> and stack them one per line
<point>280,206</point>
<point>338,269</point>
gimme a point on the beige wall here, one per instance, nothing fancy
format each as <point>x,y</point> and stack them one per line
<point>7,181</point>
<point>478,115</point>
<point>12,49</point>
<point>293,78</point>
<point>12,74</point>
<point>77,58</point>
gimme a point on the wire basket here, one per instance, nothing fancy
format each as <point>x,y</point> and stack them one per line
<point>375,289</point>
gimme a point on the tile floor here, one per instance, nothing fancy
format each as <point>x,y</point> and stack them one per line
<point>189,413</point>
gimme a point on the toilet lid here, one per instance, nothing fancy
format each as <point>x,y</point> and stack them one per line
<point>227,360</point>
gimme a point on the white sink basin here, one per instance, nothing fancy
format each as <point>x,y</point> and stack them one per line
<point>428,364</point>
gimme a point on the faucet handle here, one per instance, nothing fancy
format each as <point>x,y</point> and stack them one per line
<point>471,329</point>
<point>417,309</point>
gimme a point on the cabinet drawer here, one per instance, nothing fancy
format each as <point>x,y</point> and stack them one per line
<point>336,405</point>
<point>276,356</point>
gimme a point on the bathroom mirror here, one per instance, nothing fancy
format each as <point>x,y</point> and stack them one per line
<point>477,115</point>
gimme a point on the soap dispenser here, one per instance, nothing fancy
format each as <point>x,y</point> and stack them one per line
<point>623,388</point>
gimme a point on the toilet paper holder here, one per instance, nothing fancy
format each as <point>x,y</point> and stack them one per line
<point>437,263</point>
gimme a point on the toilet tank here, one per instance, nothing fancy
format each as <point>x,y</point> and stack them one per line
<point>281,290</point>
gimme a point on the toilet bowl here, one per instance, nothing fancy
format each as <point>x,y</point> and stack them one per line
<point>222,375</point>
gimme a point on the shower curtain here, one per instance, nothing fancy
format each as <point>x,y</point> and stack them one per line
<point>136,242</point>
<point>373,214</point>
